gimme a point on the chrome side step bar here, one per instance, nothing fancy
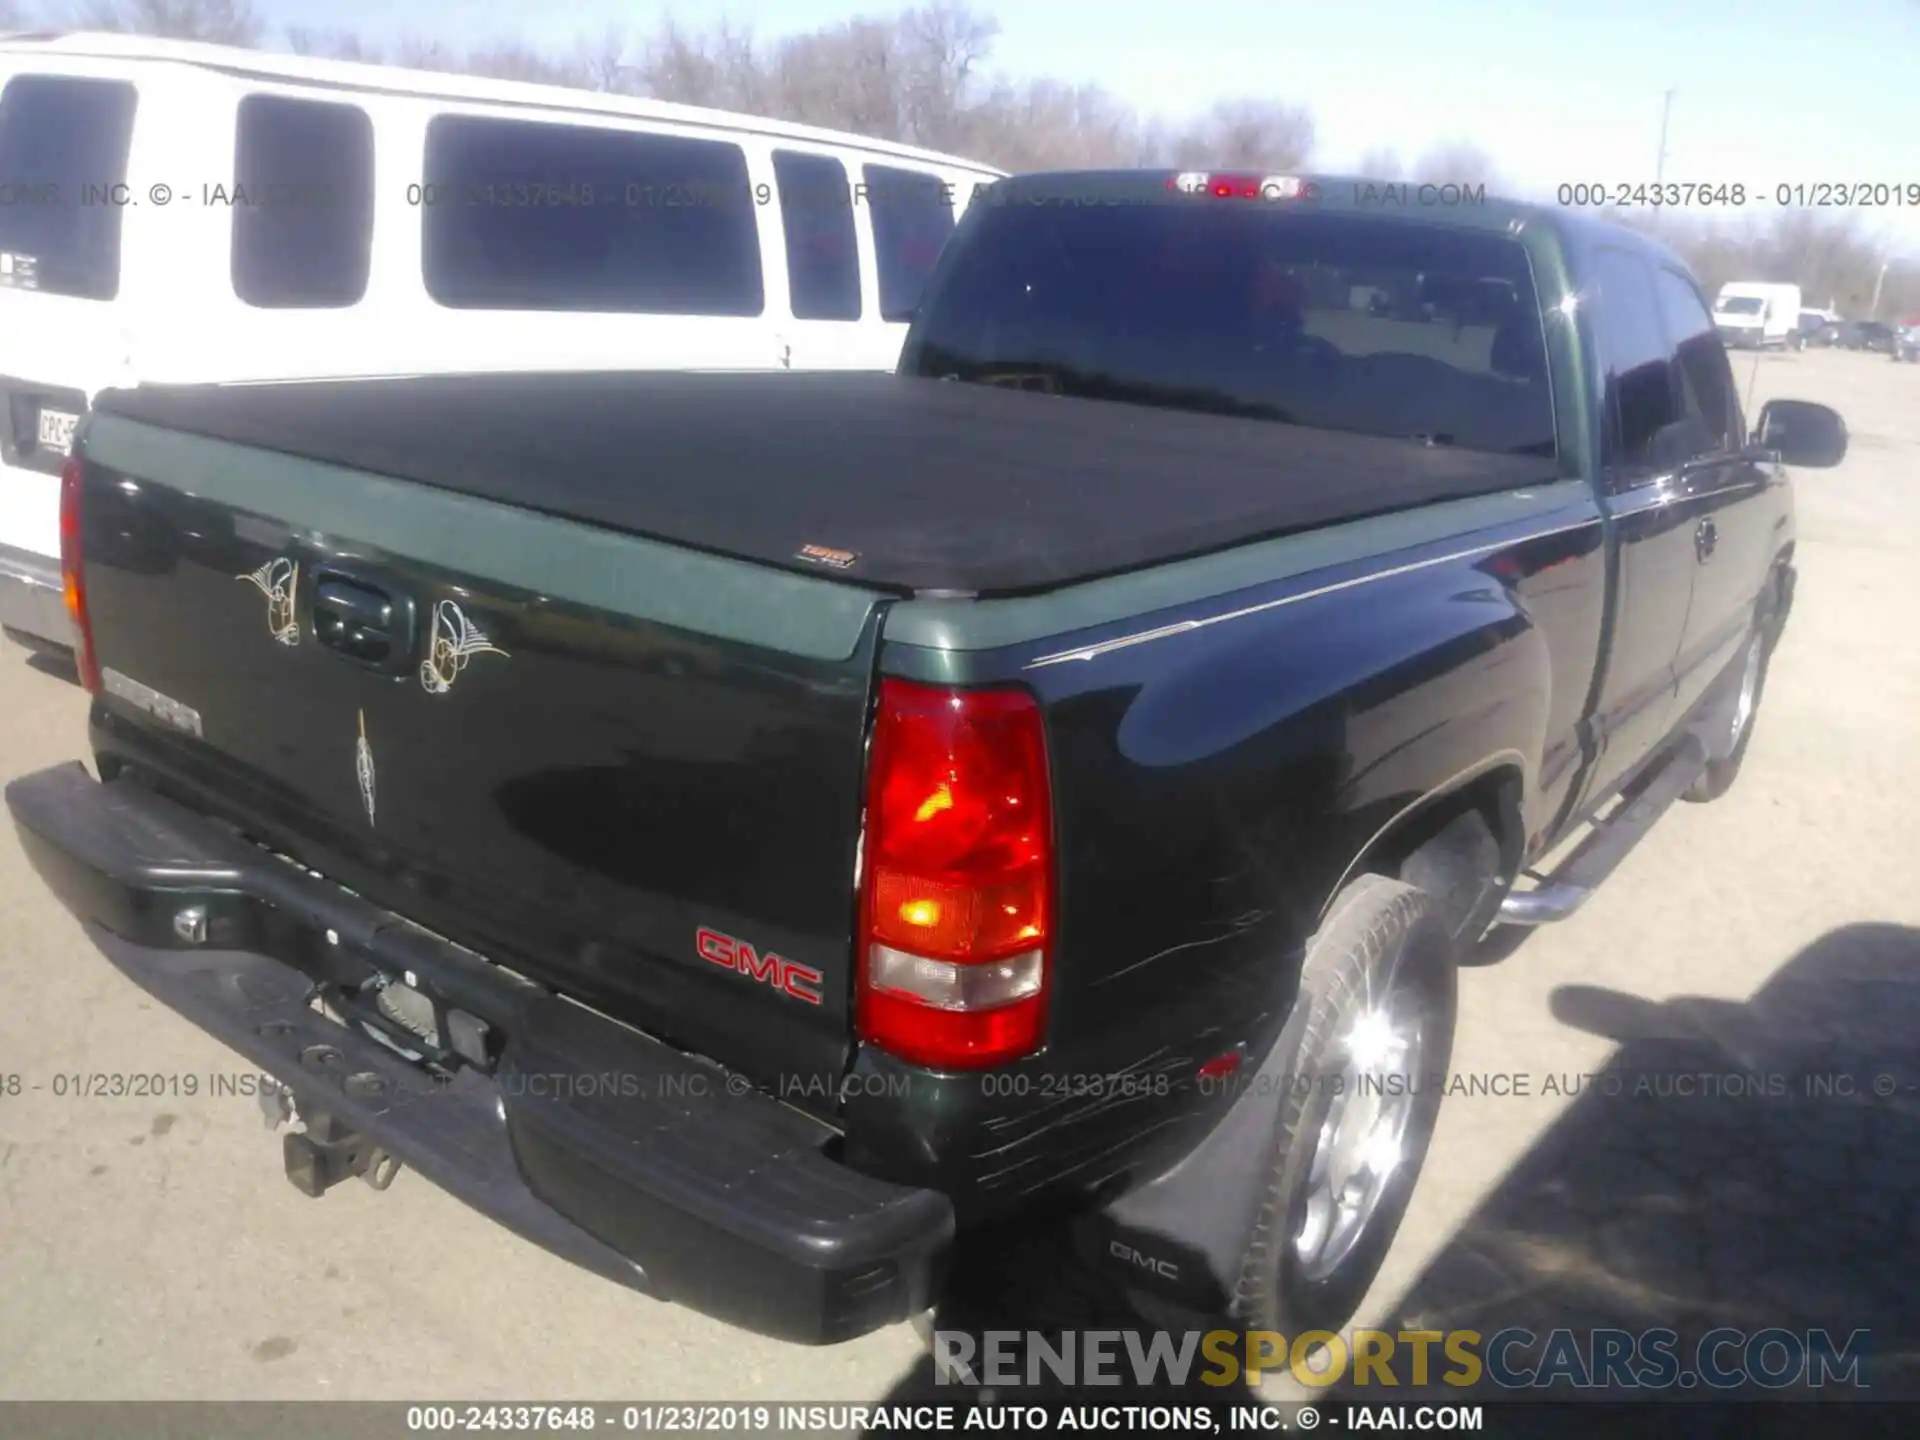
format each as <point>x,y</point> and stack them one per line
<point>1600,853</point>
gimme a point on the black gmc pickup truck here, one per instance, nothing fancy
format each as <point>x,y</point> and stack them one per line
<point>743,831</point>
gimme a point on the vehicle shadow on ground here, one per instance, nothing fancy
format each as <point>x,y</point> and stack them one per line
<point>60,664</point>
<point>1029,1280</point>
<point>1752,1166</point>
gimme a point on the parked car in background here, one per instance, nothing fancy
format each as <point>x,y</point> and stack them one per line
<point>1058,779</point>
<point>1815,330</point>
<point>338,219</point>
<point>1869,335</point>
<point>1756,315</point>
<point>1906,340</point>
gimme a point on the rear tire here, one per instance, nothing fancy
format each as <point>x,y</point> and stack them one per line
<point>1722,770</point>
<point>1380,971</point>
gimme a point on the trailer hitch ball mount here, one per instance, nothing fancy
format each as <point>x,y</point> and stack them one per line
<point>328,1152</point>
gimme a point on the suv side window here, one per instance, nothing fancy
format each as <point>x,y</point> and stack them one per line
<point>816,217</point>
<point>534,215</point>
<point>912,218</point>
<point>303,214</point>
<point>1636,361</point>
<point>63,155</point>
<point>1707,389</point>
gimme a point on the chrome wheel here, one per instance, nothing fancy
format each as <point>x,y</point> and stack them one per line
<point>1749,693</point>
<point>1363,1140</point>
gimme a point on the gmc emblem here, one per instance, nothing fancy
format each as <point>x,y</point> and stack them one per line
<point>1165,1269</point>
<point>789,977</point>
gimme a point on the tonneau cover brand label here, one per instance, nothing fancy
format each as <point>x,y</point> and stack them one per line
<point>826,555</point>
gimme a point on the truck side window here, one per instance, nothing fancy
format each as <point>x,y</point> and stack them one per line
<point>1636,362</point>
<point>1706,379</point>
<point>816,217</point>
<point>63,162</point>
<point>912,218</point>
<point>302,203</point>
<point>532,215</point>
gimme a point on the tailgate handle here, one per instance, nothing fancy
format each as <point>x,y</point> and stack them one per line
<point>361,621</point>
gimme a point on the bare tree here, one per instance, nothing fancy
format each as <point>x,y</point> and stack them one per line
<point>1826,253</point>
<point>1456,162</point>
<point>718,67</point>
<point>602,62</point>
<point>416,52</point>
<point>847,76</point>
<point>222,22</point>
<point>1256,134</point>
<point>333,45</point>
<point>940,47</point>
<point>917,77</point>
<point>516,60</point>
<point>1050,125</point>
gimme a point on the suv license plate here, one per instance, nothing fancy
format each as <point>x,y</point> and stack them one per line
<point>56,431</point>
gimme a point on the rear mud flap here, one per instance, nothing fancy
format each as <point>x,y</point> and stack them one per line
<point>1183,1236</point>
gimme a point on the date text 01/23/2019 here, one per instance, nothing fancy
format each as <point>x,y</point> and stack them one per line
<point>136,1085</point>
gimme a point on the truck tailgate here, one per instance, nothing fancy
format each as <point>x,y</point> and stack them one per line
<point>622,768</point>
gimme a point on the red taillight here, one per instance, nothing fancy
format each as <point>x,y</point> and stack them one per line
<point>71,580</point>
<point>956,899</point>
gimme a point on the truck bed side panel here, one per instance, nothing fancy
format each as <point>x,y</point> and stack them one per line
<point>1220,766</point>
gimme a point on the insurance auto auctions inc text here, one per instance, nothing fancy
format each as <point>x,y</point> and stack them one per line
<point>1513,1359</point>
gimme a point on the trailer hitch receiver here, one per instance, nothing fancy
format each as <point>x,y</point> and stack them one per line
<point>328,1152</point>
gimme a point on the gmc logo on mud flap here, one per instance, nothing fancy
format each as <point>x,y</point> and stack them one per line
<point>789,977</point>
<point>1140,1260</point>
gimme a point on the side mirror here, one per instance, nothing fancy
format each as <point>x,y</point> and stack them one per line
<point>1802,433</point>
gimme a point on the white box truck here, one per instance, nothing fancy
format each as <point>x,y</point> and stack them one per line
<point>1753,315</point>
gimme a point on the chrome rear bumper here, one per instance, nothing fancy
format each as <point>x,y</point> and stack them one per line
<point>31,602</point>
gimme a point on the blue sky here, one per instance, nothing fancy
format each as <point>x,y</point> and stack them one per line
<point>1767,91</point>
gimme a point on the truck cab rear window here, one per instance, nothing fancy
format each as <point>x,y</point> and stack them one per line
<point>522,215</point>
<point>63,157</point>
<point>1340,322</point>
<point>302,203</point>
<point>912,218</point>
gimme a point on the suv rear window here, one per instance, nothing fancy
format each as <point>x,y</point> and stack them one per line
<point>1338,322</point>
<point>63,153</point>
<point>526,215</point>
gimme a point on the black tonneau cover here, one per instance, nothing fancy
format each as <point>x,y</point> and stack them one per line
<point>929,484</point>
